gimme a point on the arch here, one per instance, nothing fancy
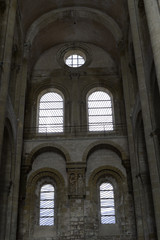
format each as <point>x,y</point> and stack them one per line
<point>48,85</point>
<point>119,181</point>
<point>38,90</point>
<point>52,16</point>
<point>41,175</point>
<point>99,88</point>
<point>101,84</point>
<point>44,172</point>
<point>46,147</point>
<point>111,145</point>
<point>106,170</point>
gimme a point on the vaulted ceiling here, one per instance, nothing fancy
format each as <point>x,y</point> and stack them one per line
<point>52,22</point>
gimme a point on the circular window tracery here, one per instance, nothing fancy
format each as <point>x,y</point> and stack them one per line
<point>74,58</point>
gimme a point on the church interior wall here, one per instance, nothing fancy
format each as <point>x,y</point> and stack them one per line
<point>114,37</point>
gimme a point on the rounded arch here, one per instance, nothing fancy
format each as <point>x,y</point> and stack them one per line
<point>46,85</point>
<point>104,89</point>
<point>45,172</point>
<point>37,92</point>
<point>100,85</point>
<point>91,13</point>
<point>47,147</point>
<point>48,175</point>
<point>47,90</point>
<point>110,145</point>
<point>105,171</point>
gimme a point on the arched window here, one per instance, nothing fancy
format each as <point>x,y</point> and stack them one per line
<point>46,215</point>
<point>50,114</point>
<point>100,116</point>
<point>107,205</point>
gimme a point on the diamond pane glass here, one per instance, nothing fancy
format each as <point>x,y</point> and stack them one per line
<point>50,113</point>
<point>107,202</point>
<point>106,186</point>
<point>106,194</point>
<point>107,207</point>
<point>46,221</point>
<point>100,115</point>
<point>46,212</point>
<point>108,220</point>
<point>107,211</point>
<point>46,205</point>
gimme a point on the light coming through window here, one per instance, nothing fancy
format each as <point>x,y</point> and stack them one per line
<point>50,113</point>
<point>46,205</point>
<point>100,111</point>
<point>74,61</point>
<point>107,208</point>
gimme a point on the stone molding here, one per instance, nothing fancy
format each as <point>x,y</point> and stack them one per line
<point>107,171</point>
<point>43,148</point>
<point>109,144</point>
<point>91,13</point>
<point>42,173</point>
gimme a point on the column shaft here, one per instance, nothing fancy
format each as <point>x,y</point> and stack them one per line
<point>153,157</point>
<point>19,145</point>
<point>6,65</point>
<point>153,19</point>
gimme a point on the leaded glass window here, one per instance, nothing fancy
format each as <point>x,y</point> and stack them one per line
<point>100,115</point>
<point>107,205</point>
<point>50,113</point>
<point>46,205</point>
<point>75,61</point>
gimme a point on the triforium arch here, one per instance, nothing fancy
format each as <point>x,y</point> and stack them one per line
<point>108,144</point>
<point>46,147</point>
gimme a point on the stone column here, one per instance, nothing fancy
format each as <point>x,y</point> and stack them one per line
<point>6,57</point>
<point>153,18</point>
<point>19,143</point>
<point>129,99</point>
<point>153,157</point>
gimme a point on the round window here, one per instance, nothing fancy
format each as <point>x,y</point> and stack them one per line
<point>74,58</point>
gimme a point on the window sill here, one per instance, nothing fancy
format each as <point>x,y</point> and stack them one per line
<point>109,229</point>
